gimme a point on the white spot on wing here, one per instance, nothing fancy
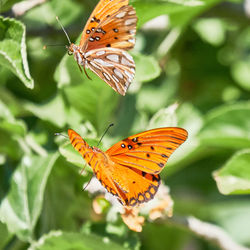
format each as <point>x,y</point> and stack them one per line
<point>130,21</point>
<point>129,75</point>
<point>125,62</point>
<point>106,76</point>
<point>132,32</point>
<point>94,65</point>
<point>115,78</point>
<point>99,53</point>
<point>121,14</point>
<point>114,58</point>
<point>103,63</point>
<point>132,40</point>
<point>118,73</point>
<point>128,56</point>
<point>132,12</point>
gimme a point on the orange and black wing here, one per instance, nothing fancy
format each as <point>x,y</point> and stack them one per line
<point>139,159</point>
<point>111,24</point>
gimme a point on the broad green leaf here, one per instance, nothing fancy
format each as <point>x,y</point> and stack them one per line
<point>80,241</point>
<point>165,117</point>
<point>21,207</point>
<point>53,111</point>
<point>211,30</point>
<point>13,53</point>
<point>147,68</point>
<point>45,14</point>
<point>234,176</point>
<point>147,10</point>
<point>227,126</point>
<point>93,101</point>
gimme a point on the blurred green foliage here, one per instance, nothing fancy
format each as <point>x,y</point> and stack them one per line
<point>196,57</point>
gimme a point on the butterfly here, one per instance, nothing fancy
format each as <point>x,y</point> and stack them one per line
<point>109,32</point>
<point>130,168</point>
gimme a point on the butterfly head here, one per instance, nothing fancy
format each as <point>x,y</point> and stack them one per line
<point>71,49</point>
<point>78,55</point>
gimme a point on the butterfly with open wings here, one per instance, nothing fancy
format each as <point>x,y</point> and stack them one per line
<point>130,168</point>
<point>109,32</point>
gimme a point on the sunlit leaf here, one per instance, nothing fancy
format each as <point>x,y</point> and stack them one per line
<point>13,53</point>
<point>234,176</point>
<point>64,241</point>
<point>227,126</point>
<point>21,207</point>
<point>53,111</point>
<point>147,68</point>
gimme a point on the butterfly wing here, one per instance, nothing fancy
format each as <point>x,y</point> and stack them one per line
<point>139,158</point>
<point>112,24</point>
<point>148,151</point>
<point>134,186</point>
<point>114,66</point>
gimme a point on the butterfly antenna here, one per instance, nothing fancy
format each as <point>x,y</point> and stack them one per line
<point>88,182</point>
<point>110,125</point>
<point>56,134</point>
<point>57,18</point>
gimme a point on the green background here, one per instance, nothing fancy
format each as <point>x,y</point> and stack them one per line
<point>192,71</point>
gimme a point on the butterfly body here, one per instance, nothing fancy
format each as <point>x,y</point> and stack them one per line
<point>130,168</point>
<point>109,32</point>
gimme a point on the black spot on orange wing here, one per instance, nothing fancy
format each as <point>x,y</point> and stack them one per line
<point>135,139</point>
<point>161,165</point>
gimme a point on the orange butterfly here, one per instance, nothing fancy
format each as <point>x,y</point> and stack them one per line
<point>109,32</point>
<point>130,168</point>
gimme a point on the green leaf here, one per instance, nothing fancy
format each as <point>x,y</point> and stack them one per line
<point>227,126</point>
<point>5,236</point>
<point>45,14</point>
<point>234,176</point>
<point>52,111</point>
<point>80,241</point>
<point>13,53</point>
<point>147,10</point>
<point>8,123</point>
<point>22,206</point>
<point>211,30</point>
<point>147,68</point>
<point>7,4</point>
<point>241,73</point>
